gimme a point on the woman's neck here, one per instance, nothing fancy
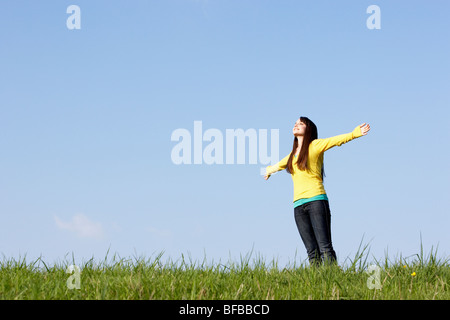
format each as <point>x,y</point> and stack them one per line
<point>299,144</point>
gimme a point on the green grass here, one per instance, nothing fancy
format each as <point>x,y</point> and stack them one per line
<point>423,276</point>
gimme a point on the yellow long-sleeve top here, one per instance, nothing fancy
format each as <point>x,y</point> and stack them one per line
<point>308,184</point>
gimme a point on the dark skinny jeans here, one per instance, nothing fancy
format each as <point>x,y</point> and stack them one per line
<point>313,221</point>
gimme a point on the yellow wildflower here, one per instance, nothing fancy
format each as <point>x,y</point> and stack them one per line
<point>413,274</point>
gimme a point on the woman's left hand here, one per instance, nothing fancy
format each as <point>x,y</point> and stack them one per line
<point>365,128</point>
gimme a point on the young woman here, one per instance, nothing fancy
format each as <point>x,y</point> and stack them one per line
<point>311,208</point>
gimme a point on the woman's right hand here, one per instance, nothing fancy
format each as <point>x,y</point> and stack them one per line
<point>267,176</point>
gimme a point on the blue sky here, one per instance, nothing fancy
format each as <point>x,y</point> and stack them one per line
<point>86,118</point>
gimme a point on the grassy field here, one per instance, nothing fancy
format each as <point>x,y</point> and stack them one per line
<point>423,276</point>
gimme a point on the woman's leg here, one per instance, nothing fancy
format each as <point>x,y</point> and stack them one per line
<point>320,216</point>
<point>306,230</point>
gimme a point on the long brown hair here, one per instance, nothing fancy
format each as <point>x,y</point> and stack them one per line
<point>302,159</point>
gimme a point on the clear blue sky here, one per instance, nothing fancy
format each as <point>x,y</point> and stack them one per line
<point>86,118</point>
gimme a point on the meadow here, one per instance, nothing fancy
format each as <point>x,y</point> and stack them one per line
<point>423,276</point>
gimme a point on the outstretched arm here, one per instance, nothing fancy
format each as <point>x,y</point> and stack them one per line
<point>277,167</point>
<point>323,145</point>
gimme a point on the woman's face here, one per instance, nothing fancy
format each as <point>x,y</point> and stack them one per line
<point>299,128</point>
